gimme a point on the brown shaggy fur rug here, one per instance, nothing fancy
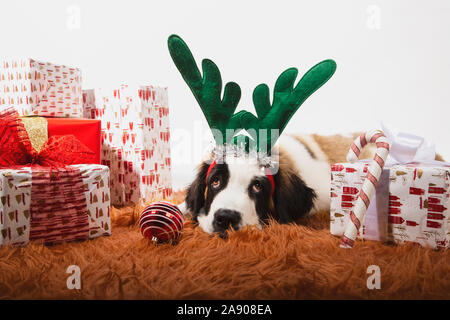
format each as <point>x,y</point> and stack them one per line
<point>278,262</point>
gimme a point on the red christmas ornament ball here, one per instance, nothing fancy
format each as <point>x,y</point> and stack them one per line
<point>161,222</point>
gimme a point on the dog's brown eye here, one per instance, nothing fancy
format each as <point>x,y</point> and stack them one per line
<point>215,183</point>
<point>256,187</point>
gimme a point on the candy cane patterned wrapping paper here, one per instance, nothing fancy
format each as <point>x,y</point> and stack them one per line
<point>419,203</point>
<point>16,220</point>
<point>40,88</point>
<point>135,140</point>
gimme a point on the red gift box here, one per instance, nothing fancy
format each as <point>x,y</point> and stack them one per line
<point>86,130</point>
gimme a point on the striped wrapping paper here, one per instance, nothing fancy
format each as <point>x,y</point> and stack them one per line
<point>40,88</point>
<point>31,209</point>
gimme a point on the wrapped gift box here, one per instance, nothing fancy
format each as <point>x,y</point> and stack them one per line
<point>410,203</point>
<point>86,131</point>
<point>45,205</point>
<point>40,88</point>
<point>411,200</point>
<point>135,140</point>
<point>49,195</point>
<point>419,204</point>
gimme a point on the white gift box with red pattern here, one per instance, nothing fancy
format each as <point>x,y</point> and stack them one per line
<point>16,212</point>
<point>411,200</point>
<point>411,203</point>
<point>40,88</point>
<point>419,204</point>
<point>135,137</point>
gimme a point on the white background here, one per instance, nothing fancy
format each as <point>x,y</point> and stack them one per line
<point>392,56</point>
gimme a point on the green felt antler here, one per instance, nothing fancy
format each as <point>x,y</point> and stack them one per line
<point>286,101</point>
<point>272,118</point>
<point>207,90</point>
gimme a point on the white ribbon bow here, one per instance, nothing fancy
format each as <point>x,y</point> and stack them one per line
<point>407,147</point>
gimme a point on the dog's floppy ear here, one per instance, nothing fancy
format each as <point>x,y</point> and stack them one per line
<point>195,196</point>
<point>293,198</point>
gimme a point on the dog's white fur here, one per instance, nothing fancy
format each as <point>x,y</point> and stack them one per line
<point>235,196</point>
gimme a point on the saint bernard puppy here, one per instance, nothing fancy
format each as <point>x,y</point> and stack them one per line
<point>234,193</point>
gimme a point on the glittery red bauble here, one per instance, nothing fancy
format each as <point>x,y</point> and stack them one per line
<point>161,222</point>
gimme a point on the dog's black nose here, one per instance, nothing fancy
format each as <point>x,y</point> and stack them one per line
<point>225,218</point>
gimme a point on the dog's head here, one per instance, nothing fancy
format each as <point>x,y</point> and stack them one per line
<point>237,192</point>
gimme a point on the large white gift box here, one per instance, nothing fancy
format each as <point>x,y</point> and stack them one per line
<point>40,88</point>
<point>135,140</point>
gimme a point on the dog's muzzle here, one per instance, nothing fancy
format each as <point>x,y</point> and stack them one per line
<point>225,219</point>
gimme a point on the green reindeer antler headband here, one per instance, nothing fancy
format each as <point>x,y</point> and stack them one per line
<point>219,112</point>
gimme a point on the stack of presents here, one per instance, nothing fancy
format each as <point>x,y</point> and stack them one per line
<point>411,202</point>
<point>67,154</point>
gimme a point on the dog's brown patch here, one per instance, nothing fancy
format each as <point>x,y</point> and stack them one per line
<point>337,146</point>
<point>306,144</point>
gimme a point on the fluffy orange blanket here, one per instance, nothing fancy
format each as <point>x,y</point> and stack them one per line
<point>278,262</point>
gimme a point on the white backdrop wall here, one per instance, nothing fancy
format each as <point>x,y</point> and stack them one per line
<point>392,56</point>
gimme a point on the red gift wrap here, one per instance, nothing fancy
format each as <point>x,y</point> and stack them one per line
<point>87,131</point>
